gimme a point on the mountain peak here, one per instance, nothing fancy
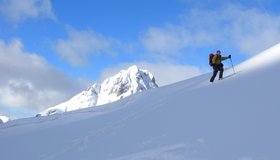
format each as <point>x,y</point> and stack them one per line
<point>133,68</point>
<point>4,119</point>
<point>123,84</point>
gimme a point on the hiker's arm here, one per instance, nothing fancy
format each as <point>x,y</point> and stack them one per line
<point>224,58</point>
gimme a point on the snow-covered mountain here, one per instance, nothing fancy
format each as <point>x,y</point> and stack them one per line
<point>4,119</point>
<point>233,119</point>
<point>123,84</point>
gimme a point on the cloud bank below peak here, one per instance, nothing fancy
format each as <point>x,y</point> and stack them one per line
<point>29,81</point>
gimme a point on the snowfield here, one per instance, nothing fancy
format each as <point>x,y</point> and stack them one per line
<point>233,119</point>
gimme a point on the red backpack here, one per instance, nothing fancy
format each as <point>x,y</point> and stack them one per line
<point>211,55</point>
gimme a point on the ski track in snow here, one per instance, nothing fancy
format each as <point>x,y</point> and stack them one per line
<point>82,143</point>
<point>162,153</point>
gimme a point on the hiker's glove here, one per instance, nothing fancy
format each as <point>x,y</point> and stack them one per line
<point>229,56</point>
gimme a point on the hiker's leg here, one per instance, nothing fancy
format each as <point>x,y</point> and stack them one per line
<point>214,74</point>
<point>221,72</point>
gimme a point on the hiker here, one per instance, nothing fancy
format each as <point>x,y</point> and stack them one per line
<point>216,63</point>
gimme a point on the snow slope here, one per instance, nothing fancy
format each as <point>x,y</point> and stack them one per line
<point>123,84</point>
<point>263,59</point>
<point>233,119</point>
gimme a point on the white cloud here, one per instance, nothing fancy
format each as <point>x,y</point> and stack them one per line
<point>165,72</point>
<point>248,30</point>
<point>253,30</point>
<point>28,81</point>
<point>17,11</point>
<point>81,45</point>
<point>166,40</point>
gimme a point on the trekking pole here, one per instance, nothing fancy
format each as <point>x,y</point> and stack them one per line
<point>232,66</point>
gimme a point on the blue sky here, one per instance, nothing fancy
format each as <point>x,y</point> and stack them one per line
<point>51,50</point>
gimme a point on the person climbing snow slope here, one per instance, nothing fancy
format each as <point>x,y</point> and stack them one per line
<point>216,63</point>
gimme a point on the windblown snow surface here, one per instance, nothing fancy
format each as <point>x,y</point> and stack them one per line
<point>233,119</point>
